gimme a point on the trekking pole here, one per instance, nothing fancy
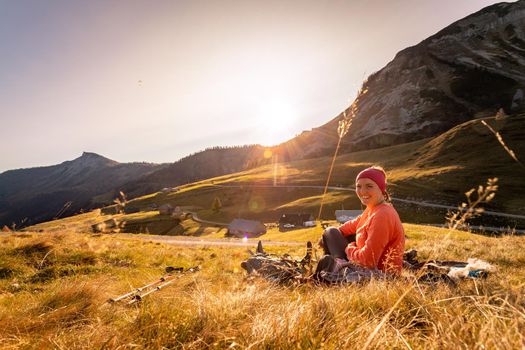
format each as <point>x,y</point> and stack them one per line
<point>135,291</point>
<point>138,297</point>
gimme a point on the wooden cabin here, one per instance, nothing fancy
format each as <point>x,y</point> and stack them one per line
<point>246,228</point>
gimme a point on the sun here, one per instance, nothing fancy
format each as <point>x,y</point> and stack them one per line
<point>276,120</point>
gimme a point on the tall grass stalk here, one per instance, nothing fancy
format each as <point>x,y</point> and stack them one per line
<point>503,144</point>
<point>342,129</point>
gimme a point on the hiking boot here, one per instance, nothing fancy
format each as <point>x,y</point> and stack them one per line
<point>326,263</point>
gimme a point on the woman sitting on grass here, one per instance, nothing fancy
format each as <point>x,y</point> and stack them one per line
<point>375,239</point>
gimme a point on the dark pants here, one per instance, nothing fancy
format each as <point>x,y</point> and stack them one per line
<point>334,243</point>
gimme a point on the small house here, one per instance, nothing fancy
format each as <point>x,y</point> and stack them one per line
<point>343,216</point>
<point>294,220</point>
<point>246,228</point>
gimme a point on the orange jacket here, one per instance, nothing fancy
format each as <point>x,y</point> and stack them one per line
<point>380,241</point>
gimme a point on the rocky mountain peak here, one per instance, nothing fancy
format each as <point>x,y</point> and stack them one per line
<point>92,155</point>
<point>470,69</point>
<point>90,159</point>
<point>483,21</point>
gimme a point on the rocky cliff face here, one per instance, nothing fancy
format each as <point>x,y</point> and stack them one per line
<point>469,69</point>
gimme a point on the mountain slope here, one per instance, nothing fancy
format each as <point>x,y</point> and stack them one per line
<point>470,69</point>
<point>40,193</point>
<point>202,165</point>
<point>438,170</point>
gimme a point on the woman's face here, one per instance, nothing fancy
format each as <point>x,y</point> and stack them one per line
<point>368,192</point>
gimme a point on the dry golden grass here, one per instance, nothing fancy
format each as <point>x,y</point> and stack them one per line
<point>219,307</point>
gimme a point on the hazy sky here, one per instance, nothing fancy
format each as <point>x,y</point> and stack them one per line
<point>156,80</point>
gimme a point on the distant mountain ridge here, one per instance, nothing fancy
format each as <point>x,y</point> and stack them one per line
<point>23,180</point>
<point>469,69</point>
<point>39,193</point>
<point>211,162</point>
<point>29,196</point>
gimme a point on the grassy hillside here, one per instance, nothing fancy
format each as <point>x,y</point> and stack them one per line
<point>53,288</point>
<point>436,170</point>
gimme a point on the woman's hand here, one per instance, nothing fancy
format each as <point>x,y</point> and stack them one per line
<point>349,249</point>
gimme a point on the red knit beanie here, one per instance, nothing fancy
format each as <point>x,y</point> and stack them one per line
<point>375,175</point>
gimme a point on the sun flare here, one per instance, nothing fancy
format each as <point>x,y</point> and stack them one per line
<point>276,119</point>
